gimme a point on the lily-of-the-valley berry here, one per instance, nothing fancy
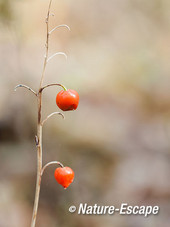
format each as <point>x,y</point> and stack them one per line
<point>64,176</point>
<point>67,100</point>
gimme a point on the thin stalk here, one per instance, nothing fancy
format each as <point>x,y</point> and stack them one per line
<point>49,85</point>
<point>39,169</point>
<point>59,26</point>
<point>51,163</point>
<point>46,44</point>
<point>50,115</point>
<point>58,53</point>
<point>24,86</point>
<point>39,127</point>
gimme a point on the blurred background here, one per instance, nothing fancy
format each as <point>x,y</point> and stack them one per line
<point>117,141</point>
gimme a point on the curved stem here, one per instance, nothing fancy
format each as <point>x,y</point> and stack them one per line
<point>49,85</point>
<point>51,163</point>
<point>59,26</point>
<point>51,116</point>
<point>24,86</point>
<point>58,53</point>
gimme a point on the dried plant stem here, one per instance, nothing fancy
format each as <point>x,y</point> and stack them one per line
<point>51,163</point>
<point>38,94</point>
<point>50,115</point>
<point>39,127</point>
<point>58,53</point>
<point>49,85</point>
<point>24,86</point>
<point>46,44</point>
<point>60,26</point>
<point>39,169</point>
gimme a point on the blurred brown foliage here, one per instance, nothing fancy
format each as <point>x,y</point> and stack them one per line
<point>117,141</point>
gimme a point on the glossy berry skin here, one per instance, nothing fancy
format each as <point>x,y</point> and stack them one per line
<point>64,176</point>
<point>67,100</point>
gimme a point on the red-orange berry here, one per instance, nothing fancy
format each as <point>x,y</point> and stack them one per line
<point>64,176</point>
<point>67,100</point>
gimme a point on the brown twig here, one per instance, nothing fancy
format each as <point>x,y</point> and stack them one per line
<point>47,44</point>
<point>38,137</point>
<point>39,127</point>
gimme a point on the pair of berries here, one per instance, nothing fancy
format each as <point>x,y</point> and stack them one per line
<point>66,100</point>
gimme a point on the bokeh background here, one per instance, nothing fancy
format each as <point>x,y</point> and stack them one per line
<point>118,140</point>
